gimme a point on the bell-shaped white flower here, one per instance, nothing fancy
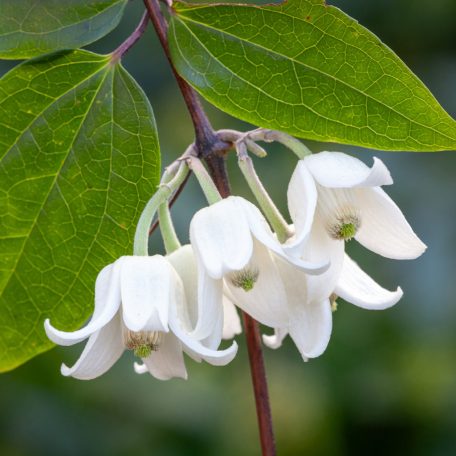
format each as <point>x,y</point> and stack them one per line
<point>345,195</point>
<point>309,297</point>
<point>141,305</point>
<point>234,243</point>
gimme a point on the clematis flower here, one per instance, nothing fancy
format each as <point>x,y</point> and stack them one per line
<point>332,198</point>
<point>309,297</point>
<point>234,245</point>
<point>345,196</point>
<point>141,305</point>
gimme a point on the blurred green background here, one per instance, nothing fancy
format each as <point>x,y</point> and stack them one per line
<point>387,382</point>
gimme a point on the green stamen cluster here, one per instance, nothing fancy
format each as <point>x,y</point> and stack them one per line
<point>245,279</point>
<point>143,351</point>
<point>347,231</point>
<point>345,228</point>
<point>142,343</point>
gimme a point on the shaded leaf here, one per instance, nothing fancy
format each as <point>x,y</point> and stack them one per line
<point>79,157</point>
<point>307,69</point>
<point>29,28</point>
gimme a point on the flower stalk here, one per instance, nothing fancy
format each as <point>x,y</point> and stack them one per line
<point>206,183</point>
<point>270,210</point>
<point>296,146</point>
<point>166,189</point>
<point>167,230</point>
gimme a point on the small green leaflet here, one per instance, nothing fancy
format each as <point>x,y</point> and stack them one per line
<point>79,158</point>
<point>29,28</point>
<point>307,69</point>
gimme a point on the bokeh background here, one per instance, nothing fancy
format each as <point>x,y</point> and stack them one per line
<point>387,382</point>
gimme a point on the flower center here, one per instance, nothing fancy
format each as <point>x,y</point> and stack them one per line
<point>142,343</point>
<point>345,226</point>
<point>245,278</point>
<point>337,208</point>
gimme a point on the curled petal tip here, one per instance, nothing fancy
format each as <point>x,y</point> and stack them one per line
<point>271,341</point>
<point>65,370</point>
<point>139,368</point>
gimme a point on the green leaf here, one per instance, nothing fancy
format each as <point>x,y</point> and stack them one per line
<point>79,158</point>
<point>307,69</point>
<point>29,28</point>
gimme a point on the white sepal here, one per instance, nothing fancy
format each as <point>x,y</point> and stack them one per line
<point>107,302</point>
<point>356,287</point>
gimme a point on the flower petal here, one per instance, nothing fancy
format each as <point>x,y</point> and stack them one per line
<point>339,170</point>
<point>384,229</point>
<point>213,340</point>
<point>221,237</point>
<point>147,286</point>
<point>168,361</point>
<point>311,327</point>
<point>266,301</point>
<point>184,263</point>
<point>198,351</point>
<point>275,340</point>
<point>102,350</point>
<point>319,246</point>
<point>302,201</point>
<point>310,312</point>
<point>357,287</point>
<point>209,305</point>
<point>107,302</point>
<point>262,232</point>
<point>231,320</point>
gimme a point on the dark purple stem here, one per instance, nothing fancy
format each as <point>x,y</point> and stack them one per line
<point>212,150</point>
<point>260,385</point>
<point>208,146</point>
<point>132,39</point>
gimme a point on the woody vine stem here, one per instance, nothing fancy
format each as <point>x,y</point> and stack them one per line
<point>212,150</point>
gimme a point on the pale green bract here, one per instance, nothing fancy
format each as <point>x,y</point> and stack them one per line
<point>310,70</point>
<point>79,158</point>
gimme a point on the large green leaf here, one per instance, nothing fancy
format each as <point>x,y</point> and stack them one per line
<point>29,28</point>
<point>308,69</point>
<point>79,157</point>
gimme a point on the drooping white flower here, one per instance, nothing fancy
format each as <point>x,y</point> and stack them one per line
<point>234,244</point>
<point>333,197</point>
<point>141,305</point>
<point>309,297</point>
<point>345,195</point>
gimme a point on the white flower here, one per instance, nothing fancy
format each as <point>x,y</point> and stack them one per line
<point>309,297</point>
<point>141,304</point>
<point>333,197</point>
<point>345,196</point>
<point>232,241</point>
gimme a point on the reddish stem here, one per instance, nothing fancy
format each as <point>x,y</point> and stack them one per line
<point>132,39</point>
<point>260,386</point>
<point>212,150</point>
